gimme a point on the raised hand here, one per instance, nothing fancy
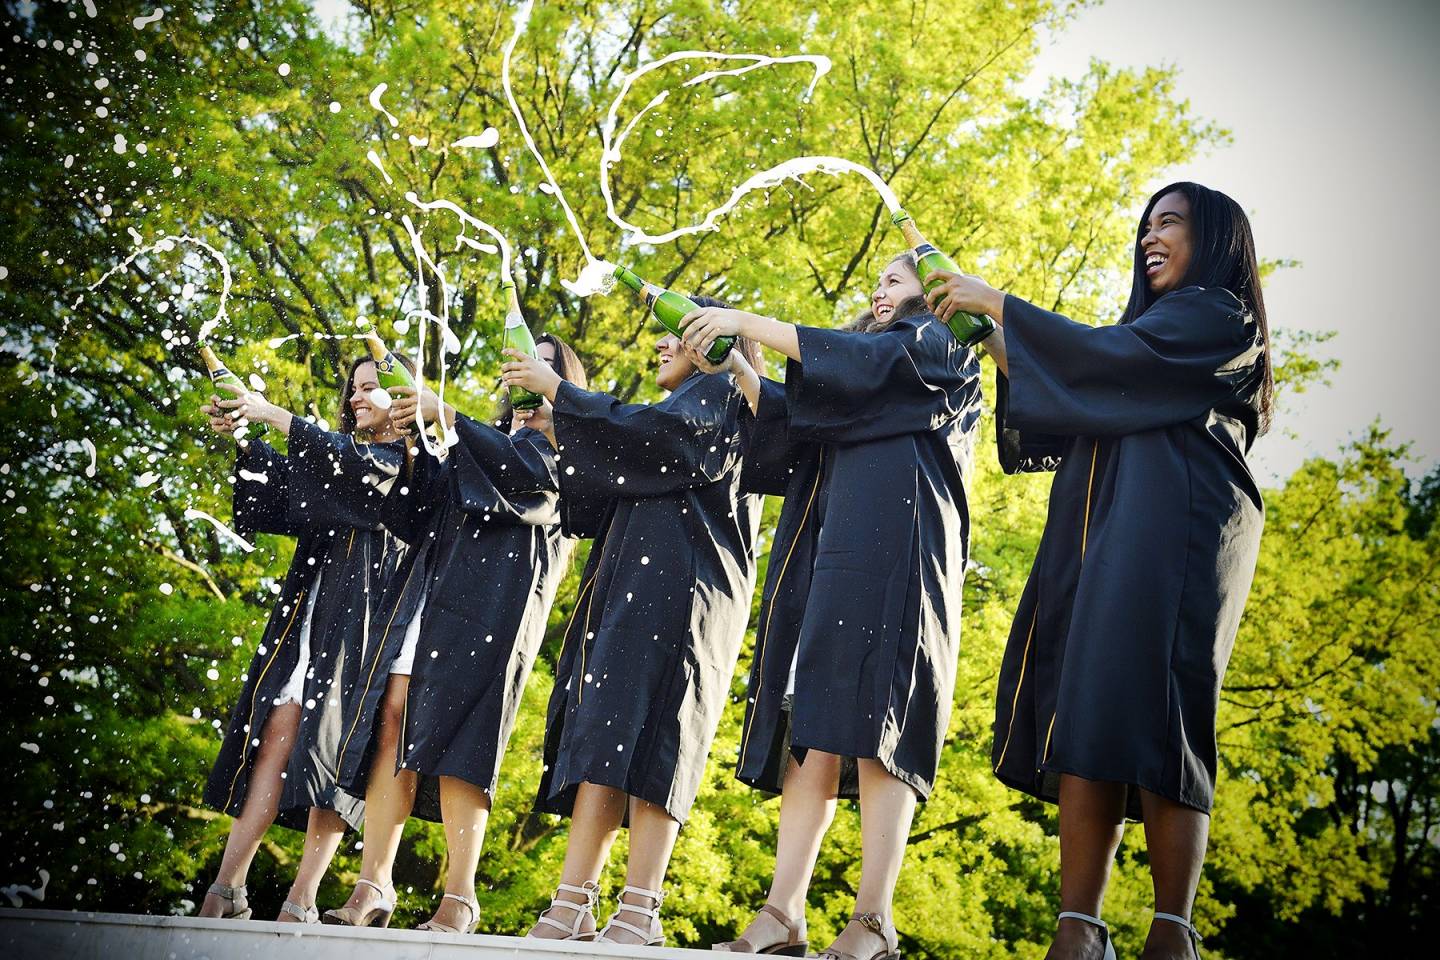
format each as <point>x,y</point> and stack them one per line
<point>961,292</point>
<point>528,373</point>
<point>704,326</point>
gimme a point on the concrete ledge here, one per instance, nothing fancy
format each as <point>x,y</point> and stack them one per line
<point>121,936</point>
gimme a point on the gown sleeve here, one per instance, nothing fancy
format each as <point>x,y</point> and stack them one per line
<point>489,468</point>
<point>1192,351</point>
<point>1023,451</point>
<point>852,387</point>
<point>611,449</point>
<point>771,453</point>
<point>336,480</point>
<point>261,496</point>
<point>411,501</point>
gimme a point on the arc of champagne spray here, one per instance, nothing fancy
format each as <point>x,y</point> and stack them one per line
<point>597,275</point>
<point>792,169</point>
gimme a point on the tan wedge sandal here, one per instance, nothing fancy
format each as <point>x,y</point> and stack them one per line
<point>876,925</point>
<point>435,926</point>
<point>652,935</point>
<point>591,892</point>
<point>376,915</point>
<point>237,898</point>
<point>794,945</point>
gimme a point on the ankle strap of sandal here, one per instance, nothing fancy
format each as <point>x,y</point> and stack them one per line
<point>590,890</point>
<point>387,897</point>
<point>1189,927</point>
<point>472,905</point>
<point>795,927</point>
<point>652,912</point>
<point>225,892</point>
<point>1094,921</point>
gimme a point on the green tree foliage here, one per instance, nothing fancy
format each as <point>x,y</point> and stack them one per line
<point>128,622</point>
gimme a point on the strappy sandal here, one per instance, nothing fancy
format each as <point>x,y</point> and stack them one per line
<point>794,945</point>
<point>876,925</point>
<point>435,926</point>
<point>652,937</point>
<point>237,898</point>
<point>376,915</point>
<point>303,914</point>
<point>591,892</point>
<point>1189,928</point>
<point>1094,921</point>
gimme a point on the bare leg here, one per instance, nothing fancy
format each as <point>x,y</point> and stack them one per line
<point>465,808</point>
<point>807,808</point>
<point>1175,836</point>
<point>593,825</point>
<point>389,797</point>
<point>1092,820</point>
<point>887,806</point>
<point>652,840</point>
<point>322,838</point>
<point>262,800</point>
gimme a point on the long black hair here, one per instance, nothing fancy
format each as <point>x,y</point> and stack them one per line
<point>1222,255</point>
<point>346,415</point>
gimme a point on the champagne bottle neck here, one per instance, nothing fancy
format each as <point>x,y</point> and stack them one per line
<point>911,233</point>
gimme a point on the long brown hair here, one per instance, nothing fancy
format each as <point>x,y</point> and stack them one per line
<point>566,363</point>
<point>867,322</point>
<point>346,416</point>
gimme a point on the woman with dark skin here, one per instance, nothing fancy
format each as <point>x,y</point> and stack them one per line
<point>1111,678</point>
<point>851,688</point>
<point>648,656</point>
<point>454,641</point>
<point>277,760</point>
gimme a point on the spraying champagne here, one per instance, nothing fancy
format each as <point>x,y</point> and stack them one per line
<point>518,337</point>
<point>219,373</point>
<point>968,328</point>
<point>668,307</point>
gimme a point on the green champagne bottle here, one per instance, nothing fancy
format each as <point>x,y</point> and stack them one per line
<point>389,371</point>
<point>968,328</point>
<point>668,307</point>
<point>219,373</point>
<point>517,337</point>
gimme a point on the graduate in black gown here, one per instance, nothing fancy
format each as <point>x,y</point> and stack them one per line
<point>454,641</point>
<point>855,653</point>
<point>278,758</point>
<point>1111,679</point>
<point>649,654</point>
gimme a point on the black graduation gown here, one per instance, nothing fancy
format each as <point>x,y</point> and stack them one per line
<point>650,651</point>
<point>867,440</point>
<point>1113,667</point>
<point>486,542</point>
<point>327,493</point>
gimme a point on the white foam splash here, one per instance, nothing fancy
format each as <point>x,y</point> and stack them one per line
<point>192,514</point>
<point>89,450</point>
<point>481,141</point>
<point>577,286</point>
<point>146,479</point>
<point>375,96</point>
<point>793,169</point>
<point>139,23</point>
<point>13,891</point>
<point>374,158</point>
<point>165,244</point>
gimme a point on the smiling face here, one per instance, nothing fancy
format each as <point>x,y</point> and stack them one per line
<point>1167,243</point>
<point>675,367</point>
<point>898,283</point>
<point>368,417</point>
